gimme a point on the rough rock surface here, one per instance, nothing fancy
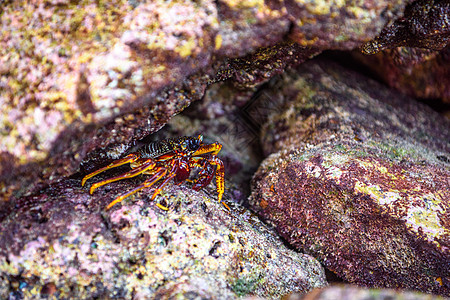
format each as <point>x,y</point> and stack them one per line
<point>357,293</point>
<point>424,24</point>
<point>416,56</point>
<point>359,178</point>
<point>339,24</point>
<point>62,243</point>
<point>420,73</point>
<point>89,77</point>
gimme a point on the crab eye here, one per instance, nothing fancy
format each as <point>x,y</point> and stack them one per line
<point>193,144</point>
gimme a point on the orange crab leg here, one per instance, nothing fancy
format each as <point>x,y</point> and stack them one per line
<point>205,175</point>
<point>220,174</point>
<point>172,174</point>
<point>147,164</point>
<point>213,149</point>
<point>220,178</point>
<point>159,173</point>
<point>128,159</point>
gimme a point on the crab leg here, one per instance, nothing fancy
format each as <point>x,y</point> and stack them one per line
<point>205,175</point>
<point>147,164</point>
<point>183,172</point>
<point>159,173</point>
<point>212,149</point>
<point>128,159</point>
<point>172,174</point>
<point>220,178</point>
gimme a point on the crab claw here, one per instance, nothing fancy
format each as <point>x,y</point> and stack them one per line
<point>183,172</point>
<point>205,177</point>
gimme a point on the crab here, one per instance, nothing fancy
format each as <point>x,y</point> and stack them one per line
<point>165,160</point>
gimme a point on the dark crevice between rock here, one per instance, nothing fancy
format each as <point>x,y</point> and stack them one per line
<point>348,60</point>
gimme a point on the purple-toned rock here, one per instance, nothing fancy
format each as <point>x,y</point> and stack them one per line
<point>357,293</point>
<point>339,24</point>
<point>420,73</point>
<point>63,63</point>
<point>424,24</point>
<point>359,178</point>
<point>62,243</point>
<point>416,56</point>
<point>81,81</point>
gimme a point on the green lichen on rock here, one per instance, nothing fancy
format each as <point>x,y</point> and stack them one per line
<point>245,285</point>
<point>357,179</point>
<point>89,61</point>
<point>339,24</point>
<point>341,291</point>
<point>135,248</point>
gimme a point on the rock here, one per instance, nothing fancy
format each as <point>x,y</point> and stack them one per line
<point>245,26</point>
<point>85,89</point>
<point>62,243</point>
<point>416,55</point>
<point>258,67</point>
<point>420,73</point>
<point>81,81</point>
<point>358,178</point>
<point>424,24</point>
<point>104,61</point>
<point>341,25</point>
<point>357,293</point>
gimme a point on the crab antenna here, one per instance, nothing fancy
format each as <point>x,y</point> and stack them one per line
<point>200,137</point>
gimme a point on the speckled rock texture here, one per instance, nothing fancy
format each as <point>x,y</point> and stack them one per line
<point>423,71</point>
<point>424,24</point>
<point>339,24</point>
<point>357,293</point>
<point>81,80</point>
<point>420,73</point>
<point>62,243</point>
<point>359,178</point>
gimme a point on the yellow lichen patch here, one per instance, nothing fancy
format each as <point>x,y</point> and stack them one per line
<point>218,42</point>
<point>177,27</point>
<point>360,13</point>
<point>322,7</point>
<point>375,166</point>
<point>379,195</point>
<point>244,4</point>
<point>334,173</point>
<point>423,211</point>
<point>426,221</point>
<point>307,42</point>
<point>187,47</point>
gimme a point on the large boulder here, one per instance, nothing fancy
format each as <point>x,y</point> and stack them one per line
<point>358,177</point>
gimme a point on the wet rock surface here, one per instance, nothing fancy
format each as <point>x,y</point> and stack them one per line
<point>358,178</point>
<point>62,242</point>
<point>263,64</point>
